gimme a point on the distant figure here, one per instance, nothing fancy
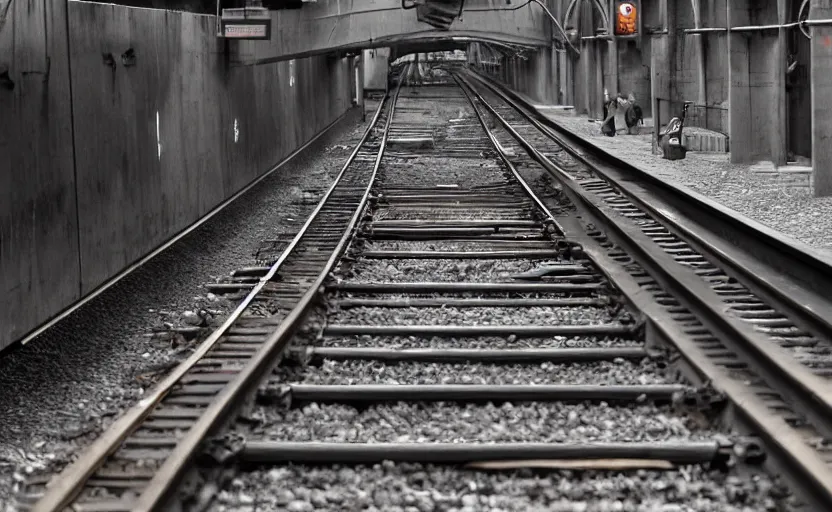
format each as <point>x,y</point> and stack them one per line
<point>633,115</point>
<point>610,109</point>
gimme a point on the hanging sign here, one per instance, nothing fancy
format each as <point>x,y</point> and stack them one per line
<point>246,23</point>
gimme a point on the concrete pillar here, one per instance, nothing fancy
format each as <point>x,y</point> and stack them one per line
<point>597,91</point>
<point>376,65</point>
<point>739,96</point>
<point>359,85</point>
<point>516,70</point>
<point>568,81</point>
<point>699,44</point>
<point>539,79</point>
<point>612,62</point>
<point>778,132</point>
<point>554,73</point>
<point>662,67</point>
<point>584,89</point>
<point>757,84</point>
<point>821,74</point>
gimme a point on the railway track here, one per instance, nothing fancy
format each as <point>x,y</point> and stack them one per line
<point>438,308</point>
<point>761,332</point>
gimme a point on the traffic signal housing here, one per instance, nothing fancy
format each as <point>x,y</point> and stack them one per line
<point>626,15</point>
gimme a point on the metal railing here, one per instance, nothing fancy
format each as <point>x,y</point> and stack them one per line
<point>709,117</point>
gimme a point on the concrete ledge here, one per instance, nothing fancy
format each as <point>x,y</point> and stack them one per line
<point>705,141</point>
<point>788,176</point>
<point>777,238</point>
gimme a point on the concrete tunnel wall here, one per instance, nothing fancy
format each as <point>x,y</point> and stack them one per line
<point>156,145</point>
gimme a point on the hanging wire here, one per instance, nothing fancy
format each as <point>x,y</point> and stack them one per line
<point>559,27</point>
<point>802,22</point>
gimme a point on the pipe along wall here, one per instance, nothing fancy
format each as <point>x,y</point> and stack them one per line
<point>122,127</point>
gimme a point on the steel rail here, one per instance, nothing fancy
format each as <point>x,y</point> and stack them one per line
<point>803,293</point>
<point>71,481</point>
<point>172,470</point>
<point>810,391</point>
<point>773,362</point>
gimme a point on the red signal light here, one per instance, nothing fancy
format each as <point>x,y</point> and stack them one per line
<point>626,19</point>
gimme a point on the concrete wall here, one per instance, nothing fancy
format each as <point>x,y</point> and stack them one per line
<point>157,144</point>
<point>533,76</point>
<point>822,98</point>
<point>39,268</point>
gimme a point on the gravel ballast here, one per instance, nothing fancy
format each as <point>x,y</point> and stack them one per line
<point>59,390</point>
<point>479,342</point>
<point>507,423</point>
<point>393,213</point>
<point>405,270</point>
<point>432,171</point>
<point>372,372</point>
<point>425,488</point>
<point>473,316</point>
<point>442,245</point>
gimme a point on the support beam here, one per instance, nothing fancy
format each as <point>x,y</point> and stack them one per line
<point>757,86</point>
<point>596,96</point>
<point>821,73</point>
<point>612,53</point>
<point>778,128</point>
<point>739,95</point>
<point>662,58</point>
<point>701,73</point>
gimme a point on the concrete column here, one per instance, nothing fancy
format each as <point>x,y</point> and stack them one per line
<point>584,89</point>
<point>540,76</point>
<point>519,75</point>
<point>662,67</point>
<point>612,50</point>
<point>739,97</point>
<point>821,73</point>
<point>359,81</point>
<point>554,74</point>
<point>568,67</point>
<point>699,43</point>
<point>778,132</point>
<point>659,82</point>
<point>612,59</point>
<point>757,85</point>
<point>597,91</point>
